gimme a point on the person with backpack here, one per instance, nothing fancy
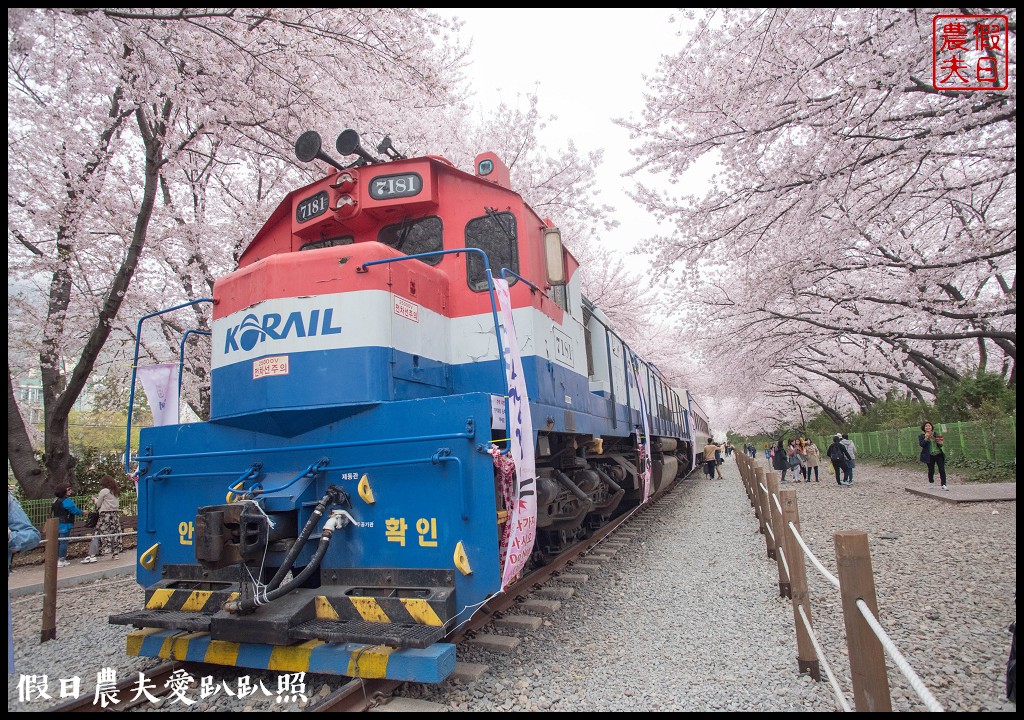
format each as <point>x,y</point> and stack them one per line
<point>851,450</point>
<point>710,458</point>
<point>840,459</point>
<point>65,510</point>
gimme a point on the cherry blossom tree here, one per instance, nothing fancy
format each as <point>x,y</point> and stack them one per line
<point>860,231</point>
<point>110,109</point>
<point>175,131</point>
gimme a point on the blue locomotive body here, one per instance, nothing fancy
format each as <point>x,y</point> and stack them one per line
<point>341,511</point>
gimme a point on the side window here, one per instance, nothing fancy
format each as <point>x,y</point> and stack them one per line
<point>495,234</point>
<point>588,339</point>
<point>413,237</point>
<point>559,295</point>
<point>328,242</point>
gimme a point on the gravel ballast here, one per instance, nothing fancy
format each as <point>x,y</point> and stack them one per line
<point>685,615</point>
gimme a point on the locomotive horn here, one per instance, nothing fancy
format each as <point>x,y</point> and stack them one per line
<point>348,144</point>
<point>388,149</point>
<point>307,147</point>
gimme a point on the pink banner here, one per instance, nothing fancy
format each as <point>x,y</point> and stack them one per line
<point>161,385</point>
<point>522,517</point>
<point>644,448</point>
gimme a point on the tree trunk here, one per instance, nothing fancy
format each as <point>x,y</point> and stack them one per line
<point>59,390</point>
<point>20,454</point>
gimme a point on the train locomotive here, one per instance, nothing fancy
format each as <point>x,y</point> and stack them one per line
<point>348,503</point>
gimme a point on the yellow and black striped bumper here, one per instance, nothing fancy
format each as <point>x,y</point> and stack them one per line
<point>428,665</point>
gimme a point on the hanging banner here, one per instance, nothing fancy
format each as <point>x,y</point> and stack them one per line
<point>522,518</point>
<point>161,385</point>
<point>644,447</point>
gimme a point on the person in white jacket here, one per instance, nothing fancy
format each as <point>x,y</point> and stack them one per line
<point>108,502</point>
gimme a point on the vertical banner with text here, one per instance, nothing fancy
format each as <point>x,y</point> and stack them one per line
<point>161,385</point>
<point>522,516</point>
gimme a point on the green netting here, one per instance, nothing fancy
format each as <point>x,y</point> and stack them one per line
<point>39,510</point>
<point>983,441</point>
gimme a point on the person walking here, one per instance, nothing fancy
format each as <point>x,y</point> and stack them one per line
<point>719,460</point>
<point>792,461</point>
<point>813,460</point>
<point>851,450</point>
<point>932,454</point>
<point>840,459</point>
<point>108,503</point>
<point>780,462</point>
<point>710,461</point>
<point>65,510</point>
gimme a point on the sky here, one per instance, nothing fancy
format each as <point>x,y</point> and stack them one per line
<point>587,68</point>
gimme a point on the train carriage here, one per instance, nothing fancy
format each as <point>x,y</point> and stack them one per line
<point>343,508</point>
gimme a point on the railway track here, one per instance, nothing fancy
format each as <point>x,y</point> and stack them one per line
<point>360,695</point>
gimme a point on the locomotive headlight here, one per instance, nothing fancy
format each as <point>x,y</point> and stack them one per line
<point>345,181</point>
<point>346,206</point>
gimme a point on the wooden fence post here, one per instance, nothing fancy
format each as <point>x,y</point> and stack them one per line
<point>49,628</point>
<point>777,529</point>
<point>807,658</point>
<point>867,657</point>
<point>759,496</point>
<point>744,474</point>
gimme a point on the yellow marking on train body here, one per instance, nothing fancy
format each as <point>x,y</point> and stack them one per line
<point>462,560</point>
<point>370,610</point>
<point>179,645</point>
<point>133,643</point>
<point>159,599</point>
<point>371,662</point>
<point>196,601</point>
<point>222,652</point>
<point>421,611</point>
<point>292,658</point>
<point>324,609</point>
<point>148,558</point>
<point>365,491</point>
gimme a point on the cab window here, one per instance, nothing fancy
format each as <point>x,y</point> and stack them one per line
<point>495,234</point>
<point>415,236</point>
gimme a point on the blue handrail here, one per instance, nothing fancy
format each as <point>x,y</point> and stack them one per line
<point>505,272</point>
<point>181,354</point>
<point>135,369</point>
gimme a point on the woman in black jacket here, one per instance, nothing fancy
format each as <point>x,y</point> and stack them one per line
<point>780,463</point>
<point>840,459</point>
<point>931,453</point>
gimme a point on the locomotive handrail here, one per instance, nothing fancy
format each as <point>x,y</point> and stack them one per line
<point>505,272</point>
<point>494,312</point>
<point>443,455</point>
<point>135,369</point>
<point>181,354</point>
<point>290,448</point>
<point>311,471</point>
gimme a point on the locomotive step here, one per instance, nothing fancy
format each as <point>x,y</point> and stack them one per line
<point>372,633</point>
<point>166,619</point>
